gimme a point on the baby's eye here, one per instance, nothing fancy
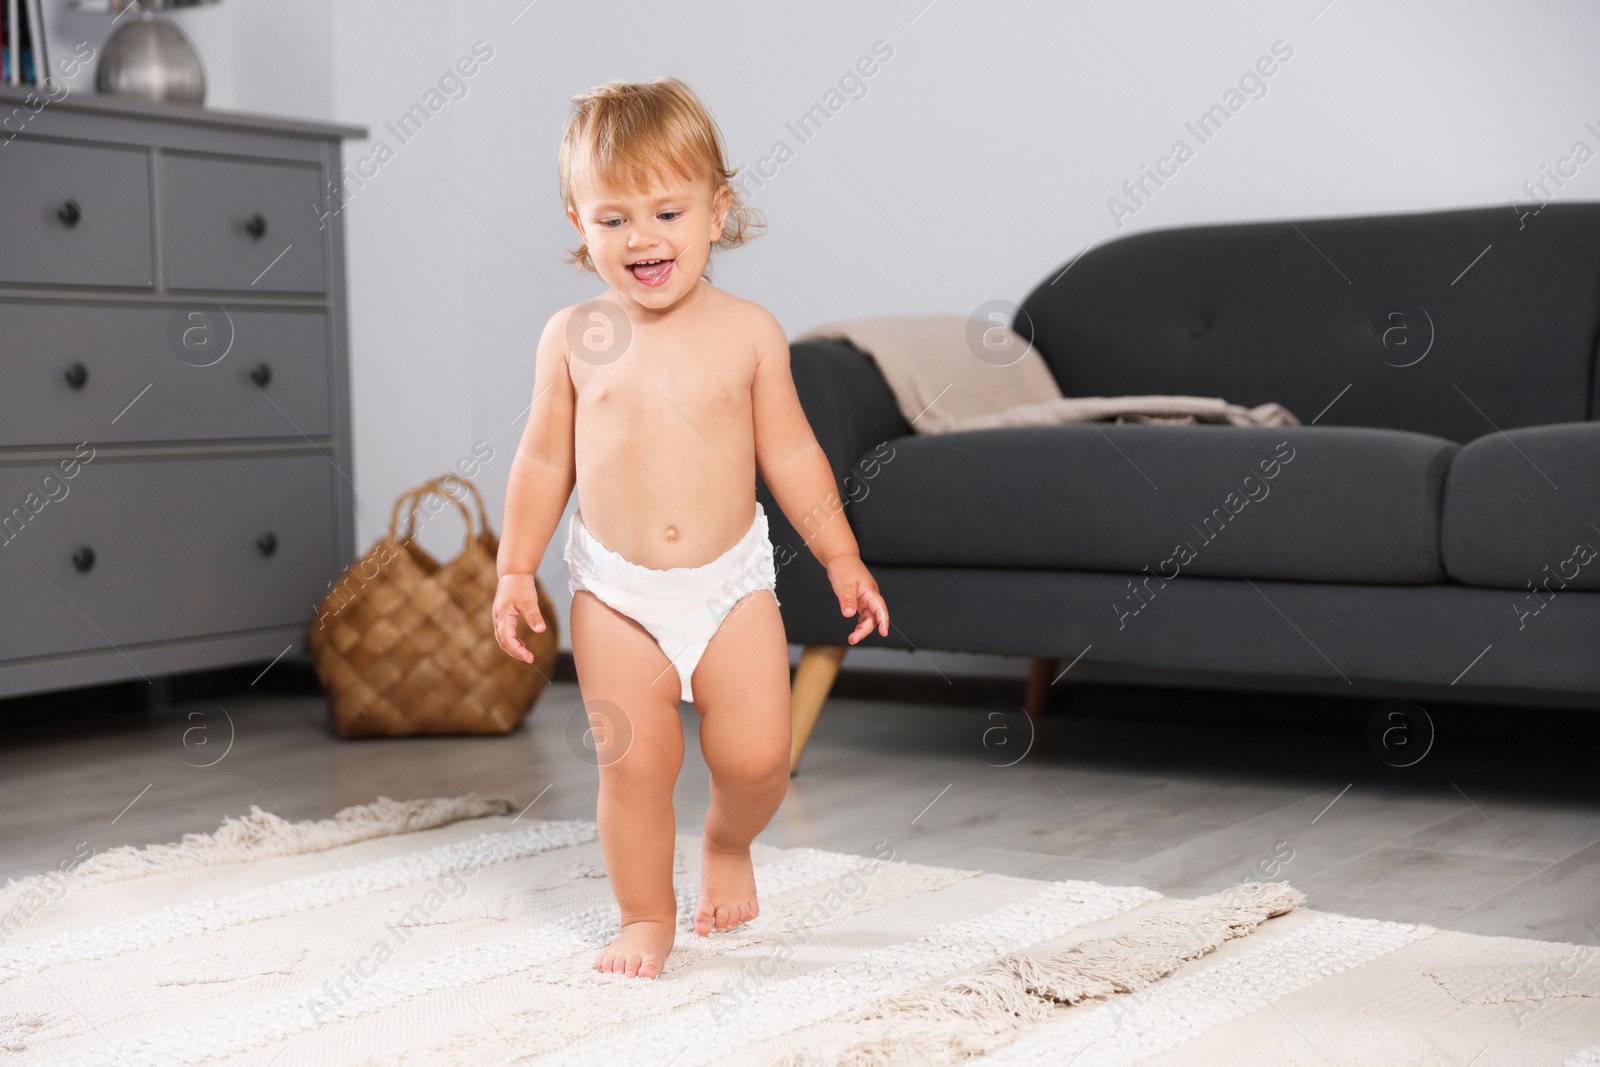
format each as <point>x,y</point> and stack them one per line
<point>611,224</point>
<point>668,216</point>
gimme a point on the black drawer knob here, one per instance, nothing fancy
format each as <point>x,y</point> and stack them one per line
<point>261,374</point>
<point>267,543</point>
<point>256,226</point>
<point>69,213</point>
<point>83,559</point>
<point>77,375</point>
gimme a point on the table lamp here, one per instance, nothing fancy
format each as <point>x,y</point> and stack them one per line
<point>147,57</point>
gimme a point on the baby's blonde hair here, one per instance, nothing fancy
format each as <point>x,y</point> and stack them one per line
<point>628,133</point>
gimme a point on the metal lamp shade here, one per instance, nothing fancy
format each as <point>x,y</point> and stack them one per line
<point>151,59</point>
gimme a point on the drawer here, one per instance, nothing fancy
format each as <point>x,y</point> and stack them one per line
<point>251,227</point>
<point>73,372</point>
<point>181,548</point>
<point>74,215</point>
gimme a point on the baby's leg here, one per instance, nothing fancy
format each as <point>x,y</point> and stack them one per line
<point>741,690</point>
<point>620,666</point>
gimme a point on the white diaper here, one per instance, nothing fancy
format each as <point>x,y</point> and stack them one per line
<point>681,607</point>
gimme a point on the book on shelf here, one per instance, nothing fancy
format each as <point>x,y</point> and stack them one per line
<point>36,39</point>
<point>24,59</point>
<point>11,58</point>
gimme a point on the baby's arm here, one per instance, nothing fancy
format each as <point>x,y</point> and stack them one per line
<point>797,471</point>
<point>542,477</point>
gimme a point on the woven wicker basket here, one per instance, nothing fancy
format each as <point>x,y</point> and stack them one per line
<point>403,644</point>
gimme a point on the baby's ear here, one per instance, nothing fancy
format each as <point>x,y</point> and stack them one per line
<point>721,204</point>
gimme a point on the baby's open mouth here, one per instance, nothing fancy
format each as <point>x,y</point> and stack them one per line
<point>652,271</point>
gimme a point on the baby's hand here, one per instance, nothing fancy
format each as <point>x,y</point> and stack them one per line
<point>516,596</point>
<point>853,584</point>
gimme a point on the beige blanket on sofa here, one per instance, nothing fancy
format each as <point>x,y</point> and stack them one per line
<point>942,384</point>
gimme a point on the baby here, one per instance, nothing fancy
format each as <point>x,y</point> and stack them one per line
<point>660,400</point>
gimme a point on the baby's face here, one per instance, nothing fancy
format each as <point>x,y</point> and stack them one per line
<point>650,245</point>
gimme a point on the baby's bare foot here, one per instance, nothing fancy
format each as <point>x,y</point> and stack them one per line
<point>727,890</point>
<point>640,951</point>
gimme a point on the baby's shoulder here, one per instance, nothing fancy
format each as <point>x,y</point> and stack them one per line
<point>558,323</point>
<point>574,323</point>
<point>555,327</point>
<point>728,304</point>
<point>747,318</point>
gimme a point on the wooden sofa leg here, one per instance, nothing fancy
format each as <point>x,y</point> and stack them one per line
<point>813,678</point>
<point>1040,674</point>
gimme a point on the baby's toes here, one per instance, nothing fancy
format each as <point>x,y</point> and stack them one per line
<point>633,966</point>
<point>649,969</point>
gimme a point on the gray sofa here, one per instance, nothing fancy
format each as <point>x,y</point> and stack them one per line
<point>1430,533</point>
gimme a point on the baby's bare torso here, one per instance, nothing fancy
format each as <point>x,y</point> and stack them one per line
<point>664,436</point>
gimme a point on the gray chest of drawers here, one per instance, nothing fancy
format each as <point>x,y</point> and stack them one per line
<point>174,388</point>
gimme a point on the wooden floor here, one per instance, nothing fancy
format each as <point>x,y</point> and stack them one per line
<point>1496,831</point>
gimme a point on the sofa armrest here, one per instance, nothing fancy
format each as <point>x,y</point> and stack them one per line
<point>846,400</point>
<point>851,410</point>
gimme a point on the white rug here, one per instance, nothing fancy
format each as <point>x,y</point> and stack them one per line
<point>447,932</point>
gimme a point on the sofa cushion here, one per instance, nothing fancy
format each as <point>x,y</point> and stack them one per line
<point>1522,509</point>
<point>1318,503</point>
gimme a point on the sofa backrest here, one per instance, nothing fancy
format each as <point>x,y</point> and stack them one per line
<point>1452,323</point>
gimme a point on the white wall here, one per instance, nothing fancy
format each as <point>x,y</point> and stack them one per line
<point>982,157</point>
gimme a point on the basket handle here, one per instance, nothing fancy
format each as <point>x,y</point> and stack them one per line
<point>394,512</point>
<point>483,514</point>
<point>416,496</point>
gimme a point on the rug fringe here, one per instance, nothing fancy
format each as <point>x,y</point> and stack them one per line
<point>965,1016</point>
<point>259,834</point>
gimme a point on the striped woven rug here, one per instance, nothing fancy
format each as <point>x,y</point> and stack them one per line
<point>449,931</point>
